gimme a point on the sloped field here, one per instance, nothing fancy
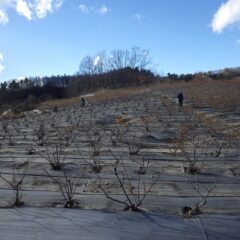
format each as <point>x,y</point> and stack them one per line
<point>141,151</point>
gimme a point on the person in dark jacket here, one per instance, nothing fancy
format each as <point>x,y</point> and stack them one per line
<point>180,100</point>
<point>83,102</point>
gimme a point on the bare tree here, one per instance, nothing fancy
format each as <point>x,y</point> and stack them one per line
<point>9,134</point>
<point>146,123</point>
<point>136,57</point>
<point>3,135</point>
<point>220,144</point>
<point>118,59</point>
<point>94,156</point>
<point>39,133</point>
<point>196,210</point>
<point>65,134</point>
<point>16,182</point>
<point>54,154</point>
<point>133,147</point>
<point>67,188</point>
<point>116,135</point>
<point>134,193</point>
<point>143,165</point>
<point>139,58</point>
<point>193,147</point>
<point>86,66</point>
<point>100,63</point>
<point>93,160</point>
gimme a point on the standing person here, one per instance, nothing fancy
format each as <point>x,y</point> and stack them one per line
<point>180,100</point>
<point>83,102</point>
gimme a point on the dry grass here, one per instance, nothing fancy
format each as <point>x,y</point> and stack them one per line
<point>115,94</point>
<point>219,94</point>
<point>121,120</point>
<point>99,96</point>
<point>10,115</point>
<point>59,103</point>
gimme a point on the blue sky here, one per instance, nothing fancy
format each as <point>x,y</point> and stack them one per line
<point>50,37</point>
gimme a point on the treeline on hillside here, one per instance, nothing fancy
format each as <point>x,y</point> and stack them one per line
<point>29,92</point>
<point>120,68</point>
<point>227,73</point>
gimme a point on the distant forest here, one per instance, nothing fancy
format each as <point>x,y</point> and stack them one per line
<point>123,68</point>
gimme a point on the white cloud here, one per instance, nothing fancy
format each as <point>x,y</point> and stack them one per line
<point>3,17</point>
<point>96,60</point>
<point>2,67</point>
<point>31,9</point>
<point>1,57</point>
<point>91,10</point>
<point>23,8</point>
<point>138,17</point>
<point>20,78</point>
<point>227,15</point>
<point>84,9</point>
<point>238,42</point>
<point>4,4</point>
<point>43,7</point>
<point>103,10</point>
